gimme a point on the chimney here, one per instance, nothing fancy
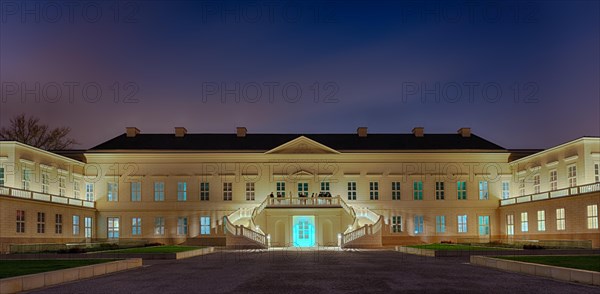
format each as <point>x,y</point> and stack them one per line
<point>180,131</point>
<point>362,131</point>
<point>464,132</point>
<point>131,131</point>
<point>241,132</point>
<point>418,131</point>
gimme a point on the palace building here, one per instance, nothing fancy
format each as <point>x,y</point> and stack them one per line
<point>303,190</point>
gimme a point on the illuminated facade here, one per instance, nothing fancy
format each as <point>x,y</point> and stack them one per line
<point>349,190</point>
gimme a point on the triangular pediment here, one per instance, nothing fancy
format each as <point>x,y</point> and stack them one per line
<point>302,145</point>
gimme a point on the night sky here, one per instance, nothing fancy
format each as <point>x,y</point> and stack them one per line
<point>521,74</point>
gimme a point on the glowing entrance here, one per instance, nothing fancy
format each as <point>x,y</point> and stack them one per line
<point>304,231</point>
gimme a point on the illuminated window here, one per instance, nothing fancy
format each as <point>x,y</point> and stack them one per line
<point>113,192</point>
<point>205,225</point>
<point>462,223</point>
<point>592,216</point>
<point>113,228</point>
<point>505,189</point>
<point>159,225</point>
<point>483,190</point>
<point>136,226</point>
<point>417,190</point>
<point>75,225</point>
<point>440,223</point>
<point>541,218</point>
<point>89,191</point>
<point>461,188</point>
<point>374,190</point>
<point>524,222</point>
<point>510,224</point>
<point>136,191</point>
<point>395,190</point>
<point>439,190</point>
<point>204,191</point>
<point>419,228</point>
<point>560,219</point>
<point>182,191</point>
<point>484,225</point>
<point>87,229</point>
<point>159,191</point>
<point>351,190</point>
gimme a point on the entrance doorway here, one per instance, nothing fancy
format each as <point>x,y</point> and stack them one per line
<point>303,230</point>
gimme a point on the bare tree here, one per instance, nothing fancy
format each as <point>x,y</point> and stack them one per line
<point>30,131</point>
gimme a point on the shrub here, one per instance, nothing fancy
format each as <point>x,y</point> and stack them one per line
<point>532,246</point>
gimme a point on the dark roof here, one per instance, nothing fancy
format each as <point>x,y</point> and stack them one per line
<point>265,142</point>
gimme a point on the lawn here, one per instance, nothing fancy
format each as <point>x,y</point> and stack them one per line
<point>587,262</point>
<point>156,249</point>
<point>12,268</point>
<point>456,247</point>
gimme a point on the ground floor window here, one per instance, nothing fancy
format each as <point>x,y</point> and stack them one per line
<point>113,227</point>
<point>419,224</point>
<point>462,223</point>
<point>75,225</point>
<point>396,224</point>
<point>524,222</point>
<point>87,222</point>
<point>592,216</point>
<point>41,222</point>
<point>136,226</point>
<point>58,224</point>
<point>484,225</point>
<point>205,225</point>
<point>20,221</point>
<point>182,226</point>
<point>159,225</point>
<point>560,219</point>
<point>510,224</point>
<point>440,224</point>
<point>541,218</point>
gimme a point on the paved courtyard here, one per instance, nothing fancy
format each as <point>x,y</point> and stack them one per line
<point>325,271</point>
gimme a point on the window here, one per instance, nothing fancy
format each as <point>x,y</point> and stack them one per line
<point>440,223</point>
<point>1,176</point>
<point>159,225</point>
<point>20,221</point>
<point>351,190</point>
<point>280,189</point>
<point>462,223</point>
<point>510,224</point>
<point>418,224</point>
<point>113,228</point>
<point>45,182</point>
<point>439,190</point>
<point>324,187</point>
<point>417,190</point>
<point>560,219</point>
<point>136,226</point>
<point>484,225</point>
<point>89,191</point>
<point>204,191</point>
<point>182,191</point>
<point>250,195</point>
<point>182,226</point>
<point>592,216</point>
<point>572,175</point>
<point>536,184</point>
<point>75,225</point>
<point>596,172</point>
<point>159,191</point>
<point>87,222</point>
<point>483,190</point>
<point>227,191</point>
<point>524,222</point>
<point>76,189</point>
<point>505,189</point>
<point>395,190</point>
<point>553,180</point>
<point>521,187</point>
<point>136,191</point>
<point>303,189</point>
<point>58,224</point>
<point>62,186</point>
<point>113,192</point>
<point>541,219</point>
<point>396,224</point>
<point>41,222</point>
<point>26,179</point>
<point>374,190</point>
<point>461,190</point>
<point>205,225</point>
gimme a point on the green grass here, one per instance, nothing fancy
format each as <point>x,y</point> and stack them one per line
<point>455,247</point>
<point>156,249</point>
<point>587,262</point>
<point>13,268</point>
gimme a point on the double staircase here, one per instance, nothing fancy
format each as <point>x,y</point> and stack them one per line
<point>242,232</point>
